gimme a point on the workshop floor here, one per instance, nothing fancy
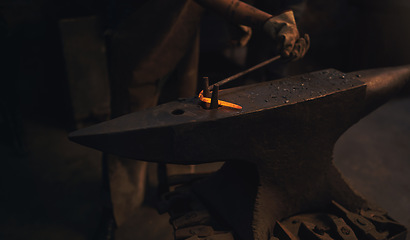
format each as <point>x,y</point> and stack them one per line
<point>53,192</point>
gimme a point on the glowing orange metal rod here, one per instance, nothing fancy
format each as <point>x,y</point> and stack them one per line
<point>220,102</point>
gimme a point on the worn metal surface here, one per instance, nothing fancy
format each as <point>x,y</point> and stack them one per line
<point>286,130</point>
<point>163,133</point>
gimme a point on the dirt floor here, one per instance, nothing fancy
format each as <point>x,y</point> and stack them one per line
<point>53,191</point>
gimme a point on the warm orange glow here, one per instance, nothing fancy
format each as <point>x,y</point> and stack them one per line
<point>222,103</point>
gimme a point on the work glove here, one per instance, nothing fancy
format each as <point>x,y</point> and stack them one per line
<point>283,29</point>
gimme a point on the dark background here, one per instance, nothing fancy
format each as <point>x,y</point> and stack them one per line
<point>50,187</point>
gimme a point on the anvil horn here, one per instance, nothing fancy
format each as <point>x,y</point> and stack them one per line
<point>382,84</point>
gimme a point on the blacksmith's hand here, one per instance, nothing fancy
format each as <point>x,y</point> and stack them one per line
<point>283,29</point>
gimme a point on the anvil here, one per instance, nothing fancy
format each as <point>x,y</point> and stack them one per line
<point>286,129</point>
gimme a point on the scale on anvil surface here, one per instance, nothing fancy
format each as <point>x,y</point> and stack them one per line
<point>285,130</point>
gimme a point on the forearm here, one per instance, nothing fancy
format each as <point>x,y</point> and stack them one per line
<point>237,12</point>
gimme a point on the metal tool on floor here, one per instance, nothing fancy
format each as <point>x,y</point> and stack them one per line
<point>278,149</point>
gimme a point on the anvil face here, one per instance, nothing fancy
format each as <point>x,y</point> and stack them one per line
<point>184,132</point>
